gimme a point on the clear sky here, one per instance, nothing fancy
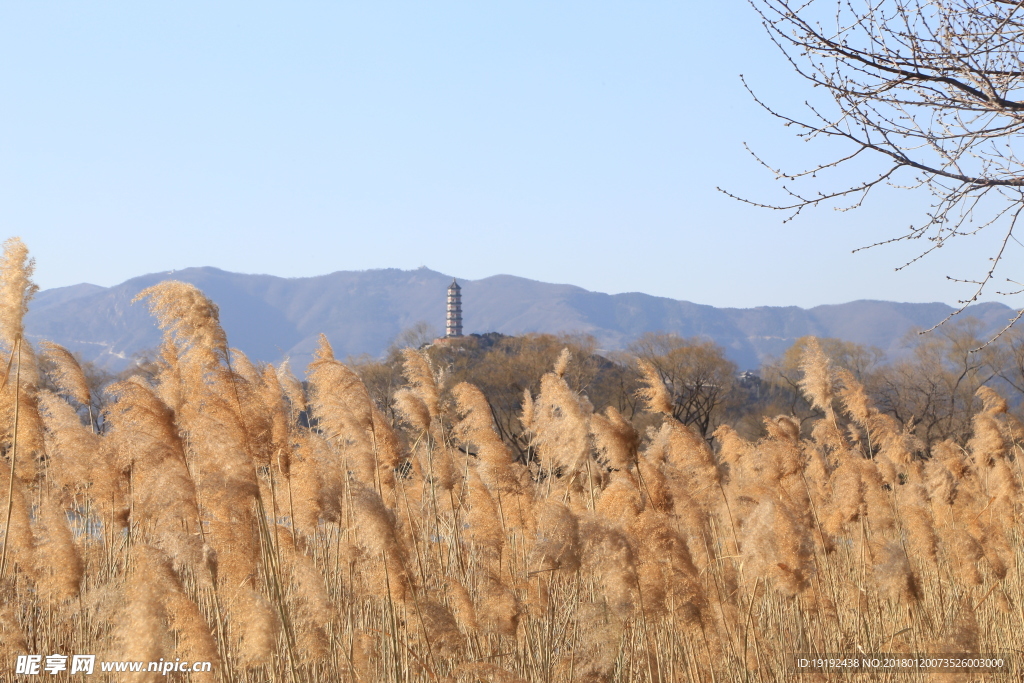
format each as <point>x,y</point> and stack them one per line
<point>575,142</point>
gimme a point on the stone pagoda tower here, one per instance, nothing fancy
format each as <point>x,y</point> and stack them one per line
<point>454,325</point>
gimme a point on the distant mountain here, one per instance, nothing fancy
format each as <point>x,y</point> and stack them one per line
<point>362,312</point>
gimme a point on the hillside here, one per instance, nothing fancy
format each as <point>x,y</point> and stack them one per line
<point>271,317</point>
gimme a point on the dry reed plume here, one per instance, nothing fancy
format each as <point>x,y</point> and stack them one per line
<point>289,532</point>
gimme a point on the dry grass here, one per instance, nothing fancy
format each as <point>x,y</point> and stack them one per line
<point>206,522</point>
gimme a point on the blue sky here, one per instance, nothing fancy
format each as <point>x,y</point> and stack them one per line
<point>576,142</point>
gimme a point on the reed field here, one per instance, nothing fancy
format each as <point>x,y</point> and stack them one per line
<point>287,531</point>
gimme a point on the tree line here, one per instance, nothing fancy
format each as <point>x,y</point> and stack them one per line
<point>930,390</point>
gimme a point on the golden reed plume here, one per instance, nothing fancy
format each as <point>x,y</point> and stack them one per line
<point>221,510</point>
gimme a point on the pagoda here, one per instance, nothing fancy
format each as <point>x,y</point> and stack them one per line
<point>454,324</point>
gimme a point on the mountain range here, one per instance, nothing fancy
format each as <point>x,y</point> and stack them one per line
<point>362,312</point>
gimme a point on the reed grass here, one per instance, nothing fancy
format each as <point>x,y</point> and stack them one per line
<point>210,521</point>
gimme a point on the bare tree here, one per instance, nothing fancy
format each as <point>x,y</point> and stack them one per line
<point>696,373</point>
<point>934,389</point>
<point>932,89</point>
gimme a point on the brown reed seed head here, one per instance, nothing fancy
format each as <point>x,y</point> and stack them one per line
<point>292,386</point>
<point>59,562</point>
<point>817,382</point>
<point>562,362</point>
<point>412,409</point>
<point>495,466</point>
<point>16,289</point>
<point>499,610</point>
<point>76,459</point>
<point>256,627</point>
<point>339,399</point>
<point>527,416</point>
<point>67,373</point>
<point>561,426</point>
<point>190,320</point>
<point>420,376</point>
<point>557,545</point>
<point>19,542</point>
<point>655,395</point>
<point>854,397</point>
<point>142,631</point>
<point>615,438</point>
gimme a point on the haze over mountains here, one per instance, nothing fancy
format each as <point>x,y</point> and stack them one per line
<point>362,312</point>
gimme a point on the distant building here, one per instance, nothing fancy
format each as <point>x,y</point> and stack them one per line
<point>454,324</point>
<point>748,378</point>
<point>751,382</point>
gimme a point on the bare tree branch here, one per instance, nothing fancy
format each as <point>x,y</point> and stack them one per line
<point>933,88</point>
